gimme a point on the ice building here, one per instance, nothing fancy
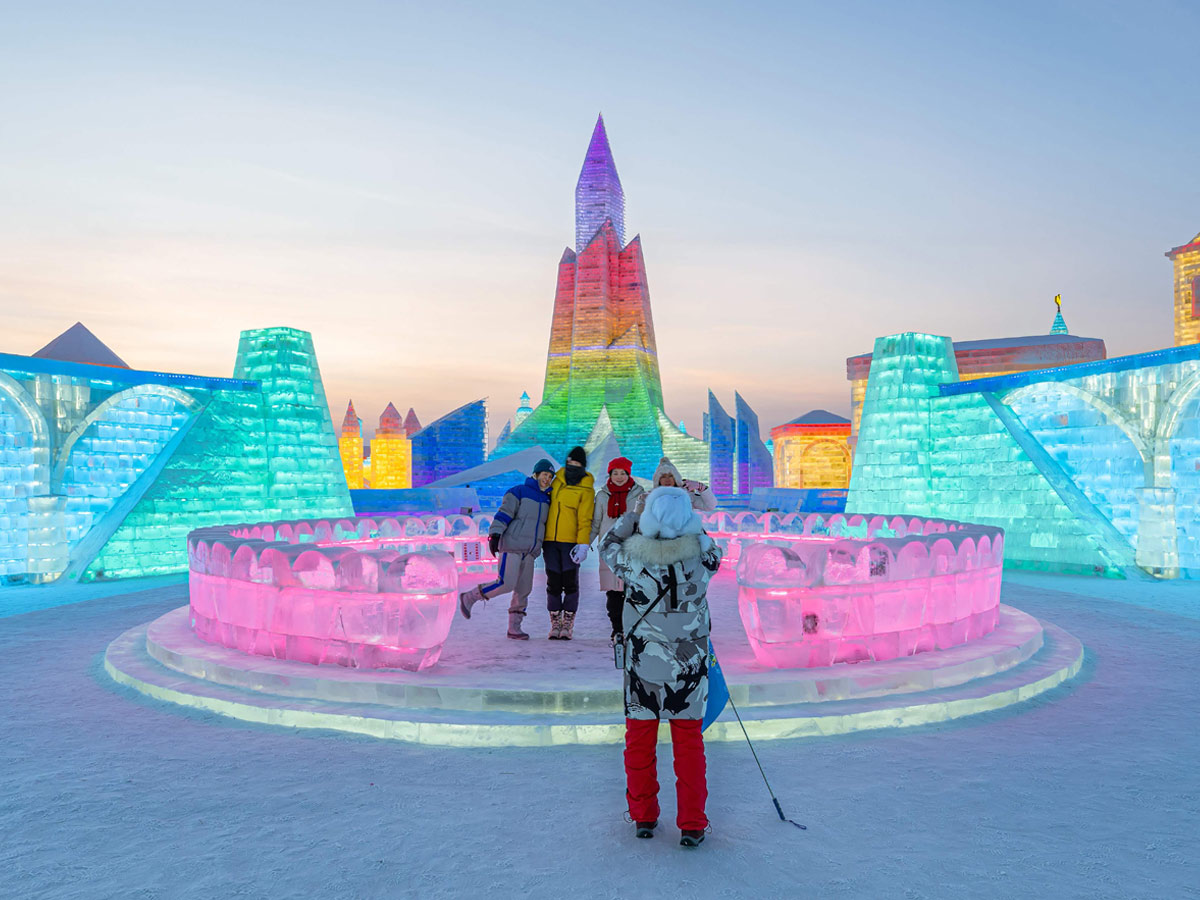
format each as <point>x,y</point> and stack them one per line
<point>739,462</point>
<point>391,453</point>
<point>602,387</point>
<point>350,448</point>
<point>524,410</point>
<point>990,358</point>
<point>1186,260</point>
<point>812,451</point>
<point>411,423</point>
<point>456,441</point>
<point>1089,468</point>
<point>105,469</point>
<point>522,413</point>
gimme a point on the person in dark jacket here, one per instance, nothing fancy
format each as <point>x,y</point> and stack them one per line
<point>665,560</point>
<point>516,538</point>
<point>568,536</point>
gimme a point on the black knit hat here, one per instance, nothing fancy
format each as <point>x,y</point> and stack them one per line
<point>578,455</point>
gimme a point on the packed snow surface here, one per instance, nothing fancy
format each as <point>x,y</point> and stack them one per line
<point>1090,791</point>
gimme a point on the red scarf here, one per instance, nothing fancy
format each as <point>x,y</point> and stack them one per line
<point>618,497</point>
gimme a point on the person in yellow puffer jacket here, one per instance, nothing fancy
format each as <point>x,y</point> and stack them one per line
<point>568,536</point>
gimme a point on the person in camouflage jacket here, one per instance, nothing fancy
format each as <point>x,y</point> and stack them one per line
<point>665,560</point>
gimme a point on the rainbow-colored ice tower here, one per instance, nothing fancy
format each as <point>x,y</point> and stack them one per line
<point>602,388</point>
<point>391,453</point>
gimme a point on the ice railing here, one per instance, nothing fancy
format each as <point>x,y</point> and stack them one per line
<point>365,593</point>
<point>814,589</point>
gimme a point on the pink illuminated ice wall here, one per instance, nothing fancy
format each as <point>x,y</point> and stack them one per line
<point>357,593</point>
<point>819,590</point>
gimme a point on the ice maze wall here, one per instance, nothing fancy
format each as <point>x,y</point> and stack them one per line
<point>1091,468</point>
<point>103,472</point>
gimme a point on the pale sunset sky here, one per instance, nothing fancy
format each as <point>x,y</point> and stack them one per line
<point>399,180</point>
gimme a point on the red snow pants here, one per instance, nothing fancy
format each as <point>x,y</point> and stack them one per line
<point>641,772</point>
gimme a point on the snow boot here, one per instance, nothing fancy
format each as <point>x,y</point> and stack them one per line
<point>568,626</point>
<point>691,838</point>
<point>555,626</point>
<point>467,599</point>
<point>514,627</point>
<point>645,829</point>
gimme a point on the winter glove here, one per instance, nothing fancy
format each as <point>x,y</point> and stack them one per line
<point>494,544</point>
<point>579,554</point>
<point>711,557</point>
<point>694,487</point>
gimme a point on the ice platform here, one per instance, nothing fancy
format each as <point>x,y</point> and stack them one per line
<point>488,690</point>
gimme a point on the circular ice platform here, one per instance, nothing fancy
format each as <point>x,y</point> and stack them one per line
<point>489,691</point>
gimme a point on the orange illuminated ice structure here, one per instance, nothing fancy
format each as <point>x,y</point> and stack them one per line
<point>1186,260</point>
<point>391,453</point>
<point>602,387</point>
<point>350,447</point>
<point>812,451</point>
<point>988,358</point>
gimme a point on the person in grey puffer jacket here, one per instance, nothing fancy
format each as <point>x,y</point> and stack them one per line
<point>665,560</point>
<point>515,538</point>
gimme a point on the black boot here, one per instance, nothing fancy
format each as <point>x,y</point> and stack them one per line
<point>614,601</point>
<point>691,839</point>
<point>645,829</point>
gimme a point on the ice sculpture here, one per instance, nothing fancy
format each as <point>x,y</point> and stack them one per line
<point>524,410</point>
<point>391,454</point>
<point>1186,262</point>
<point>1089,468</point>
<point>720,433</point>
<point>739,461</point>
<point>363,593</point>
<point>411,423</point>
<point>859,588</point>
<point>104,469</point>
<point>350,448</point>
<point>455,442</point>
<point>602,376</point>
<point>599,197</point>
<point>812,451</point>
<point>989,358</point>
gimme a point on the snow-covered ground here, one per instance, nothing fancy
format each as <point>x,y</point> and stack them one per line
<point>1090,791</point>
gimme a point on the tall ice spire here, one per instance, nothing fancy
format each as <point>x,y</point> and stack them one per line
<point>598,193</point>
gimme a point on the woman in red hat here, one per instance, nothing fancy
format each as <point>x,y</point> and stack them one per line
<point>619,494</point>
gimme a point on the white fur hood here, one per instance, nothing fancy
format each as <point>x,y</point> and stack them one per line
<point>666,551</point>
<point>668,513</point>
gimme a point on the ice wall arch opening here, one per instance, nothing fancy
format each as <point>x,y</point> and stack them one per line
<point>109,450</point>
<point>1097,447</point>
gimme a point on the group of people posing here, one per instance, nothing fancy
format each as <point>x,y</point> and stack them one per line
<point>655,565</point>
